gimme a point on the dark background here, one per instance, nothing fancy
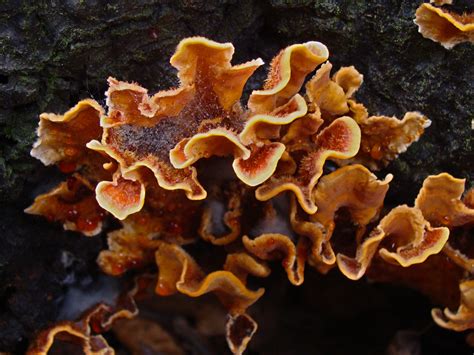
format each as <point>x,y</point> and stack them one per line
<point>54,53</point>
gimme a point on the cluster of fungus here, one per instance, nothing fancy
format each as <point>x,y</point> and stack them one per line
<point>291,168</point>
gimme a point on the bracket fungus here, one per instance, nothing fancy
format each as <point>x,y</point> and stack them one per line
<point>463,318</point>
<point>62,138</point>
<point>441,2</point>
<point>169,132</point>
<point>137,161</point>
<point>84,333</point>
<point>443,26</point>
<point>74,204</point>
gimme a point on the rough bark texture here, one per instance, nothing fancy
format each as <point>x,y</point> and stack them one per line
<point>53,53</point>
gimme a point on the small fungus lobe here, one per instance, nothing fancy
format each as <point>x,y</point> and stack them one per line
<point>443,26</point>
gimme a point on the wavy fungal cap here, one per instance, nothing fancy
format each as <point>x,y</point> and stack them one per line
<point>447,28</point>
